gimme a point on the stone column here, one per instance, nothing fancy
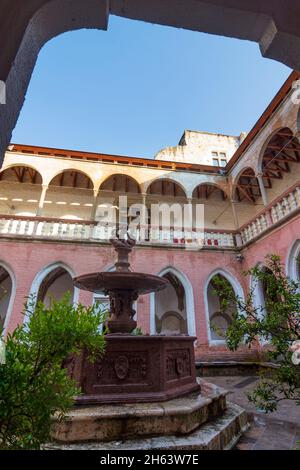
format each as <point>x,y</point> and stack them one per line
<point>238,238</point>
<point>144,231</point>
<point>95,205</point>
<point>190,220</point>
<point>262,188</point>
<point>235,217</point>
<point>42,200</point>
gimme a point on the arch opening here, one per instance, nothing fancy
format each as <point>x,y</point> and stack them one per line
<point>279,163</point>
<point>247,188</point>
<point>247,196</point>
<point>69,196</point>
<point>209,192</point>
<point>170,308</point>
<point>265,292</point>
<point>20,190</point>
<point>109,203</point>
<point>219,321</point>
<point>55,285</point>
<point>123,184</point>
<point>72,179</point>
<point>218,208</point>
<point>166,188</point>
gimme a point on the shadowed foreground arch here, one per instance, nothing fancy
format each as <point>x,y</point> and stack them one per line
<point>274,25</point>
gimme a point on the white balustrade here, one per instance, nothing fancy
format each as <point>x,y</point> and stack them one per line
<point>282,208</point>
<point>70,230</point>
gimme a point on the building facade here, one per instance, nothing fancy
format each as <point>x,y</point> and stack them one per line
<point>52,204</point>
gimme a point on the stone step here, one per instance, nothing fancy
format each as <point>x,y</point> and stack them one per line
<point>110,422</point>
<point>222,433</point>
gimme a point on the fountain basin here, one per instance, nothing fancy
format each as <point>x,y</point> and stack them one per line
<point>102,283</point>
<point>137,369</point>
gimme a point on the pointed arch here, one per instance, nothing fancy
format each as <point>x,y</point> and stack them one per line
<point>279,161</point>
<point>293,261</point>
<point>259,289</point>
<point>277,148</point>
<point>238,290</point>
<point>46,271</point>
<point>8,277</point>
<point>189,300</point>
<point>246,187</point>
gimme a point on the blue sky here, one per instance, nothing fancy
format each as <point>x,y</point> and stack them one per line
<point>134,89</point>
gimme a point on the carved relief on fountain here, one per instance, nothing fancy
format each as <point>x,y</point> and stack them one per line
<point>178,364</point>
<point>125,367</point>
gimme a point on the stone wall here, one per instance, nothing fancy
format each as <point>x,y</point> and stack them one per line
<point>197,147</point>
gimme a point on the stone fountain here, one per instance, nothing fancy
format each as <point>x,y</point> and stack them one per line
<point>134,368</point>
<point>144,387</point>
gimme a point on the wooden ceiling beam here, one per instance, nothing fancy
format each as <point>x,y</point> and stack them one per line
<point>282,157</point>
<point>284,134</point>
<point>15,170</point>
<point>268,173</point>
<point>247,195</point>
<point>285,169</point>
<point>280,148</point>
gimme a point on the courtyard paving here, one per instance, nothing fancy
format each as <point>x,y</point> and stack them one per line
<point>275,431</point>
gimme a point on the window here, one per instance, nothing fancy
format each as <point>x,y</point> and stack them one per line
<point>219,159</point>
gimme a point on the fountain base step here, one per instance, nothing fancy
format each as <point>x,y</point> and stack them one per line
<point>137,369</point>
<point>194,422</point>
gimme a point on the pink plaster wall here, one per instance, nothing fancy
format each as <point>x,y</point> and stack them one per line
<point>27,258</point>
<point>279,241</point>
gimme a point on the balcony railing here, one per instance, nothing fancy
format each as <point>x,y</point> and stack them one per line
<point>90,231</point>
<point>284,206</point>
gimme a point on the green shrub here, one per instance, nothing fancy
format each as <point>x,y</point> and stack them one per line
<point>33,384</point>
<point>275,324</point>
